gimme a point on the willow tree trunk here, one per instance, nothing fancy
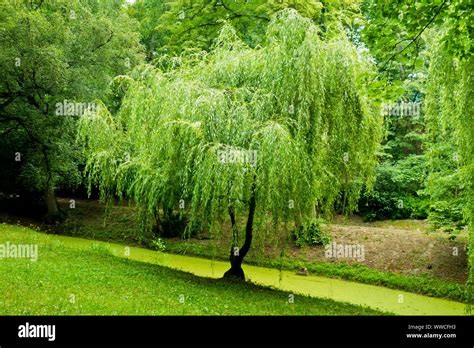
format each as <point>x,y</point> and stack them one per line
<point>237,255</point>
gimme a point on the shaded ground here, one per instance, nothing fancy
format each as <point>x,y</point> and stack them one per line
<point>407,247</point>
<point>392,247</point>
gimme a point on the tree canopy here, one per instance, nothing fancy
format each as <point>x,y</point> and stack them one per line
<point>268,112</point>
<point>57,58</point>
<point>298,106</point>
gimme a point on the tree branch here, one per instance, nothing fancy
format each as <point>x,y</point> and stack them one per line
<point>413,39</point>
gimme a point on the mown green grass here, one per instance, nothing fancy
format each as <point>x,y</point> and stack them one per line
<point>67,281</point>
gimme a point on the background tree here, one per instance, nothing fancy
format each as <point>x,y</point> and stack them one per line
<point>188,136</point>
<point>441,40</point>
<point>450,121</point>
<point>55,52</point>
<point>173,27</point>
<point>148,13</point>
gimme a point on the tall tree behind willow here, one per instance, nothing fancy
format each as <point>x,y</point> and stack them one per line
<point>174,26</point>
<point>266,134</point>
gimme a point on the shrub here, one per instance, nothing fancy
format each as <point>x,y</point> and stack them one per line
<point>158,244</point>
<point>395,194</point>
<point>419,207</point>
<point>447,215</point>
<point>311,234</point>
<point>170,224</point>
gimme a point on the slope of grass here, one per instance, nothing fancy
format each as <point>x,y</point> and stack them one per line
<point>67,281</point>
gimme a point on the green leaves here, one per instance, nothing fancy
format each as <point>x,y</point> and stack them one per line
<point>298,103</point>
<point>57,52</point>
<point>450,135</point>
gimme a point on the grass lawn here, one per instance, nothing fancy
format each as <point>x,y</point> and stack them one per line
<point>399,254</point>
<point>67,281</point>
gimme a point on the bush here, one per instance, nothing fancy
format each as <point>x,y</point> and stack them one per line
<point>311,234</point>
<point>420,207</point>
<point>447,215</point>
<point>395,192</point>
<point>171,224</point>
<point>158,244</point>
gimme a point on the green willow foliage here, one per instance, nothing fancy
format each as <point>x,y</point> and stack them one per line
<point>449,105</point>
<point>299,102</point>
<point>450,122</point>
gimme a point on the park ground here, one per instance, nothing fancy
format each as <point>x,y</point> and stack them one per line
<point>68,281</point>
<point>407,255</point>
<point>406,247</point>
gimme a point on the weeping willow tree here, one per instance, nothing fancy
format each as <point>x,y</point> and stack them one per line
<point>450,124</point>
<point>260,135</point>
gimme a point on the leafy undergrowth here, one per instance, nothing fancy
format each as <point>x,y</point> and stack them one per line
<point>66,281</point>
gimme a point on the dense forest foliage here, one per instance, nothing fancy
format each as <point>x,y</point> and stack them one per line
<point>279,111</point>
